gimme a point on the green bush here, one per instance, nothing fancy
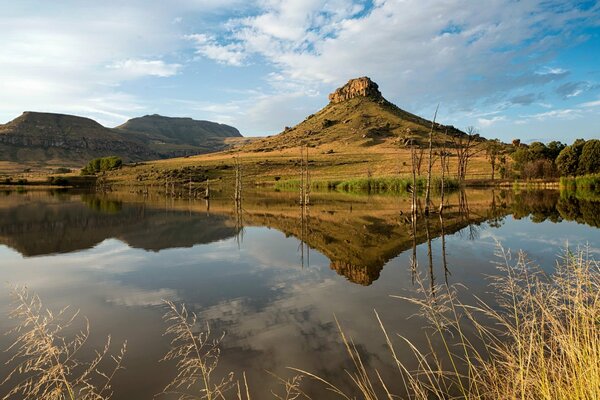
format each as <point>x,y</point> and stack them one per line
<point>589,162</point>
<point>102,164</point>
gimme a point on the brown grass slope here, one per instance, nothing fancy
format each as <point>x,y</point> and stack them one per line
<point>360,122</point>
<point>356,134</point>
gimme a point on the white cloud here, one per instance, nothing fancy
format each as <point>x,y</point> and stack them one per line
<point>486,122</point>
<point>133,68</point>
<point>421,52</point>
<point>73,58</point>
<point>566,113</point>
<point>231,54</point>
<point>595,103</point>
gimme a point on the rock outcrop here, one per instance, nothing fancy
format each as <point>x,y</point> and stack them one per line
<point>359,87</point>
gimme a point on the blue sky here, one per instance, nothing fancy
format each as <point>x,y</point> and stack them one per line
<point>514,69</point>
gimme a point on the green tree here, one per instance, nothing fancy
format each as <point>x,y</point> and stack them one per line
<point>102,164</point>
<point>554,148</point>
<point>567,161</point>
<point>589,161</point>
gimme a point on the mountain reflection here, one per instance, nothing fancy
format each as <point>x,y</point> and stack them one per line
<point>359,235</point>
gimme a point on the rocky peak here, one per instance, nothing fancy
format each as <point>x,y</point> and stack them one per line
<point>359,87</point>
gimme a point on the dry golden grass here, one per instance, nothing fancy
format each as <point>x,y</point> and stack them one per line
<point>541,340</point>
<point>265,167</point>
<point>45,355</point>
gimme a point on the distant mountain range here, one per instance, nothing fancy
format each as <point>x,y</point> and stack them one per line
<point>58,139</point>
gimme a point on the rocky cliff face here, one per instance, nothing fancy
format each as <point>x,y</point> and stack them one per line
<point>359,87</point>
<point>82,137</point>
<point>72,140</point>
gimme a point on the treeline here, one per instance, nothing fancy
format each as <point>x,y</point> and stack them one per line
<point>539,160</point>
<point>102,164</point>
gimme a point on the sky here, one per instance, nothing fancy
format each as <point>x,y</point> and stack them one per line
<point>514,69</point>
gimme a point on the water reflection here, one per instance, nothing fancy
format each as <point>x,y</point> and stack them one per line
<point>358,235</point>
<point>276,291</point>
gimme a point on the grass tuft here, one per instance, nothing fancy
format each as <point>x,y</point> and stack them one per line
<point>540,341</point>
<point>45,355</point>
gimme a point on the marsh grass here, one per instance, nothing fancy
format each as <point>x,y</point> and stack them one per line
<point>589,182</point>
<point>45,360</point>
<point>382,185</point>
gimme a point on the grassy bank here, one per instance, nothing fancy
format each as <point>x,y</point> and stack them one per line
<point>587,182</point>
<point>382,185</point>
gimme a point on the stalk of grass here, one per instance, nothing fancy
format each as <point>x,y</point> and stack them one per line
<point>45,356</point>
<point>541,340</point>
<point>589,182</point>
<point>196,354</point>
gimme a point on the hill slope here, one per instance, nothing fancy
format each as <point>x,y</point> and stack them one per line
<point>179,136</point>
<point>357,116</point>
<point>47,138</point>
<point>358,134</point>
<point>58,138</point>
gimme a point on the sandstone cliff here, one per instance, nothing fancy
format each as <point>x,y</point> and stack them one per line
<point>359,87</point>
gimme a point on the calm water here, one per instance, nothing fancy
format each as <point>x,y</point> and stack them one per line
<point>271,278</point>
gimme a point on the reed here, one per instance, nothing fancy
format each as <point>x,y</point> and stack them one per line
<point>539,340</point>
<point>589,182</point>
<point>382,185</point>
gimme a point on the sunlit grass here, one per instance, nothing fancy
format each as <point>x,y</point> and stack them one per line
<point>382,185</point>
<point>540,341</point>
<point>45,355</point>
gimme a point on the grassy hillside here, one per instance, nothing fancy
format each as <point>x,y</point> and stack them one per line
<point>356,137</point>
<point>360,122</point>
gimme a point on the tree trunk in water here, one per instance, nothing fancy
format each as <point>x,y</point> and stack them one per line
<point>428,189</point>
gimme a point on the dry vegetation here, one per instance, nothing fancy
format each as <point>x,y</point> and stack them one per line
<point>45,355</point>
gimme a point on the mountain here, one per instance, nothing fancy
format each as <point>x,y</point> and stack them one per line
<point>47,138</point>
<point>58,138</point>
<point>357,116</point>
<point>170,135</point>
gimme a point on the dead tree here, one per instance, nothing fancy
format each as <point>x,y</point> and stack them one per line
<point>466,146</point>
<point>419,159</point>
<point>413,189</point>
<point>443,154</point>
<point>429,164</point>
<point>207,190</point>
<point>304,177</point>
<point>238,180</point>
<point>238,209</point>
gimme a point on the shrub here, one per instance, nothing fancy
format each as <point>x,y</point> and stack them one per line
<point>589,161</point>
<point>101,165</point>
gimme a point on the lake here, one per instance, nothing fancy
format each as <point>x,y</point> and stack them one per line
<point>273,277</point>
